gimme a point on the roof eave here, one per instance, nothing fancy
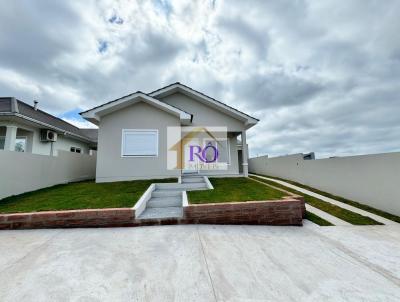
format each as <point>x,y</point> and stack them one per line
<point>94,115</point>
<point>93,118</point>
<point>19,115</point>
<point>170,89</point>
<point>250,124</point>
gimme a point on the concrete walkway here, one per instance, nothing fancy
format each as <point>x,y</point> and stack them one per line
<point>328,217</point>
<point>202,263</point>
<point>333,201</point>
<point>166,199</point>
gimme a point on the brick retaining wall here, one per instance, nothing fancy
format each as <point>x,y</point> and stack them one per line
<point>288,211</point>
<point>278,212</point>
<point>69,219</point>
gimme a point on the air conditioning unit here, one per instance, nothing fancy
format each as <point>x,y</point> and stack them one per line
<point>48,136</point>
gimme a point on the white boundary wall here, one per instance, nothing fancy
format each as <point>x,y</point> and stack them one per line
<point>24,172</point>
<point>373,179</point>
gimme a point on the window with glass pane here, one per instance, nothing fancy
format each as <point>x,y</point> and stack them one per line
<point>139,142</point>
<point>20,144</point>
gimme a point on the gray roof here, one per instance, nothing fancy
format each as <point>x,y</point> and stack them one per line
<point>190,88</point>
<point>16,107</point>
<point>90,133</point>
<point>177,83</point>
<point>5,104</point>
<point>126,96</point>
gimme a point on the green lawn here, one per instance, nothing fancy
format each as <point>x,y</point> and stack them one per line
<point>344,200</point>
<point>237,189</point>
<point>332,209</point>
<point>80,195</point>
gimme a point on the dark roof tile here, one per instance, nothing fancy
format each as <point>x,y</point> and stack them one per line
<point>44,117</point>
<point>5,104</point>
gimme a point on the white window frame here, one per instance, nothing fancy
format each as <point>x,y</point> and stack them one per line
<point>138,130</point>
<point>17,137</point>
<point>26,142</point>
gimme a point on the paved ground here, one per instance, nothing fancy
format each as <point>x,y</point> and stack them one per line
<point>202,263</point>
<point>333,201</point>
<point>328,217</point>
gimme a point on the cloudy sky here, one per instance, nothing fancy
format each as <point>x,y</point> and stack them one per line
<point>321,76</point>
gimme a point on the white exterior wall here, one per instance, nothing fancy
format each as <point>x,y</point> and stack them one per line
<point>210,117</point>
<point>111,166</point>
<point>369,179</point>
<point>63,143</point>
<point>23,172</point>
<point>203,115</point>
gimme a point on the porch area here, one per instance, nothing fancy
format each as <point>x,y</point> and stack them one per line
<point>232,159</point>
<point>16,138</point>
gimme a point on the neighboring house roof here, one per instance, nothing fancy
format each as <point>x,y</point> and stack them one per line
<point>90,133</point>
<point>12,107</point>
<point>93,115</point>
<point>178,87</point>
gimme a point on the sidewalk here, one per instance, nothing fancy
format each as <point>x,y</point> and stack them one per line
<point>333,201</point>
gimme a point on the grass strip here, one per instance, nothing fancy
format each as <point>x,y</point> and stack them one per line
<point>234,189</point>
<point>79,195</point>
<point>344,214</point>
<point>317,220</point>
<point>353,203</point>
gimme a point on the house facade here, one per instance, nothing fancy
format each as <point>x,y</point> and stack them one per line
<point>134,138</point>
<point>25,128</point>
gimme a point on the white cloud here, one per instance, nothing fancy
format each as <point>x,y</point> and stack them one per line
<point>80,123</point>
<point>312,71</point>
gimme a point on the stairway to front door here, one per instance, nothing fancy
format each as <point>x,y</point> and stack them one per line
<point>166,199</point>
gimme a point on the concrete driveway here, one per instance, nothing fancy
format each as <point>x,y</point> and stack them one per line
<point>202,263</point>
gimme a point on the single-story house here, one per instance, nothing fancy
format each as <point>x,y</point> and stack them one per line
<point>133,134</point>
<point>25,128</point>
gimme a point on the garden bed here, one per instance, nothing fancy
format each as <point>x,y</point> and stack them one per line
<point>87,204</point>
<point>235,189</point>
<point>240,200</point>
<point>79,195</point>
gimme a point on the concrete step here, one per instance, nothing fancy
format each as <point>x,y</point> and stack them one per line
<point>183,186</point>
<point>164,202</point>
<point>159,213</point>
<point>166,193</point>
<point>199,188</point>
<point>193,180</point>
<point>194,173</point>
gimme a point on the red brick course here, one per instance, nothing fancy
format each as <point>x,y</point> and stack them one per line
<point>70,219</point>
<point>288,211</point>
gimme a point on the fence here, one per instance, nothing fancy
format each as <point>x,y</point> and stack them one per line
<point>23,172</point>
<point>370,179</point>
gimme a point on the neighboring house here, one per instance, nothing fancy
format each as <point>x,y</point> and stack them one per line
<point>26,128</point>
<point>133,130</point>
